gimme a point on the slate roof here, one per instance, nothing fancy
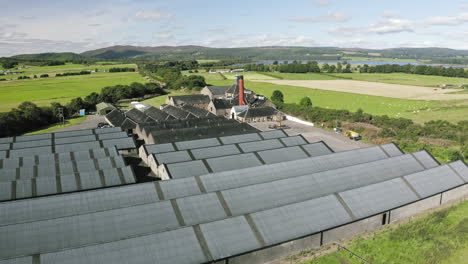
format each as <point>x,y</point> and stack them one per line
<point>218,90</point>
<point>103,105</point>
<point>224,103</point>
<point>198,112</point>
<point>116,117</point>
<point>157,114</point>
<point>138,116</point>
<point>259,112</point>
<point>177,112</point>
<point>180,100</point>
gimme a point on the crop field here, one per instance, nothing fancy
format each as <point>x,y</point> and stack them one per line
<point>43,91</point>
<point>439,237</point>
<point>377,89</point>
<point>339,100</point>
<point>248,76</point>
<point>69,67</point>
<point>392,78</point>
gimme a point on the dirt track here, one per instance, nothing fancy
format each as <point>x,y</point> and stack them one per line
<point>377,89</point>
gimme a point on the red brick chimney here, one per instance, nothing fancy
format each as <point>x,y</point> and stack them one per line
<point>240,84</point>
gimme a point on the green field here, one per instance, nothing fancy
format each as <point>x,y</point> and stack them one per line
<point>157,101</point>
<point>69,122</point>
<point>393,78</point>
<point>208,76</point>
<point>69,67</point>
<point>437,238</point>
<point>60,89</point>
<point>249,76</point>
<point>337,100</point>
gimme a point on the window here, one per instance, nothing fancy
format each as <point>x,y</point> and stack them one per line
<point>384,219</point>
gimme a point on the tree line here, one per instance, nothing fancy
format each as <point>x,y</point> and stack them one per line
<point>72,73</point>
<point>29,117</point>
<point>124,69</point>
<point>299,67</point>
<point>171,74</point>
<point>400,130</point>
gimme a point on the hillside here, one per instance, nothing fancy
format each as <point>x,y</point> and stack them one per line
<point>63,56</point>
<point>123,52</point>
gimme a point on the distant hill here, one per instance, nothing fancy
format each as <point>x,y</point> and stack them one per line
<point>124,52</point>
<point>63,56</point>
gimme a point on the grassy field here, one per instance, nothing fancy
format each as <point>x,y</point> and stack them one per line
<point>339,100</point>
<point>437,238</point>
<point>61,89</point>
<point>393,78</point>
<point>249,76</point>
<point>157,101</point>
<point>208,76</point>
<point>69,67</point>
<point>69,122</point>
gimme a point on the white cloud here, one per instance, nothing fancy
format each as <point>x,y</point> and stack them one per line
<point>392,26</point>
<point>331,17</point>
<point>321,3</point>
<point>390,14</point>
<point>448,20</point>
<point>153,15</point>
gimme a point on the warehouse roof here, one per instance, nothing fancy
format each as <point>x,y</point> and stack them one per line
<point>104,105</point>
<point>138,116</point>
<point>116,117</point>
<point>224,103</point>
<point>177,113</point>
<point>157,114</point>
<point>192,99</point>
<point>218,90</point>
<point>198,112</point>
<point>259,112</point>
<point>223,224</point>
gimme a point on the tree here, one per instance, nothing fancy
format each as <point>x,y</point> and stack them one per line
<point>325,67</point>
<point>76,104</point>
<point>306,102</point>
<point>339,68</point>
<point>277,97</point>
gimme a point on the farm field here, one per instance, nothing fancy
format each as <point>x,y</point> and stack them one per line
<point>68,67</point>
<point>339,100</point>
<point>157,101</point>
<point>392,78</point>
<point>439,237</point>
<point>376,89</point>
<point>61,89</point>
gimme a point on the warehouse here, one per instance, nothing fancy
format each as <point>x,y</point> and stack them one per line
<point>221,107</point>
<point>157,114</point>
<point>196,100</point>
<point>215,92</point>
<point>277,210</point>
<point>176,113</point>
<point>197,112</point>
<point>104,108</point>
<point>259,114</point>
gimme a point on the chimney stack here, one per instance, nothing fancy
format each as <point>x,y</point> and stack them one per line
<point>240,85</point>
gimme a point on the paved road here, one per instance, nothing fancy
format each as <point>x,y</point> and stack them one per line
<point>336,141</point>
<point>91,122</point>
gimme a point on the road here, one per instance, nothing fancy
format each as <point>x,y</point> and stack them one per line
<point>336,141</point>
<point>91,122</point>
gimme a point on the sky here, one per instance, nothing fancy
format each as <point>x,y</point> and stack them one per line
<point>36,26</point>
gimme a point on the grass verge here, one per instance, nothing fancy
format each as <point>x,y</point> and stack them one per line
<point>69,122</point>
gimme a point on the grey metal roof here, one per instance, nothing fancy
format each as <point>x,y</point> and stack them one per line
<point>187,169</point>
<point>218,90</point>
<point>157,114</point>
<point>172,157</point>
<point>461,169</point>
<point>200,209</point>
<point>159,148</point>
<point>261,145</point>
<point>233,162</point>
<point>198,112</point>
<point>293,141</point>
<point>211,152</point>
<point>138,116</point>
<point>199,143</point>
<point>273,134</point>
<point>240,138</point>
<point>427,160</point>
<point>190,99</point>
<point>176,112</point>
<point>315,149</point>
<point>282,154</point>
<point>391,149</point>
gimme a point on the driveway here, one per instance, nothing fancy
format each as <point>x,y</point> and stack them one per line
<point>91,122</point>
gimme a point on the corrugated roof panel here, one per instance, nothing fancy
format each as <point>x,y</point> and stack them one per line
<point>288,222</point>
<point>33,137</point>
<point>68,184</point>
<point>392,150</point>
<point>74,133</point>
<point>107,130</point>
<point>3,154</point>
<point>5,191</point>
<point>45,186</point>
<point>48,159</point>
<point>461,169</point>
<point>7,175</point>
<point>249,176</point>
<point>32,144</point>
<point>23,260</point>
<point>201,209</point>
<point>159,148</point>
<point>211,152</point>
<point>240,138</point>
<point>128,174</point>
<point>282,155</point>
<point>23,190</point>
<point>375,198</point>
<point>293,141</point>
<point>6,140</point>
<point>426,159</point>
<point>112,135</point>
<point>317,149</point>
<point>111,180</point>
<point>179,188</point>
<point>68,140</point>
<point>172,157</point>
<point>187,169</point>
<point>45,171</point>
<point>76,146</point>
<point>229,237</point>
<point>273,134</point>
<point>433,181</point>
<point>199,143</point>
<point>233,162</point>
<point>75,203</point>
<point>292,190</point>
<point>10,163</point>
<point>120,143</point>
<point>90,180</point>
<point>178,246</point>
<point>67,168</point>
<point>261,145</point>
<point>5,146</point>
<point>68,232</point>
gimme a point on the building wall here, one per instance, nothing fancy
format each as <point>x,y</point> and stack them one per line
<point>414,208</point>
<point>162,172</point>
<point>455,195</point>
<point>350,230</point>
<point>273,254</point>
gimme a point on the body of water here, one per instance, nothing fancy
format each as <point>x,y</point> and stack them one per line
<point>270,62</point>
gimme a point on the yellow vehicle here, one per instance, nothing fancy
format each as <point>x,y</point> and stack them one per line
<point>352,135</point>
